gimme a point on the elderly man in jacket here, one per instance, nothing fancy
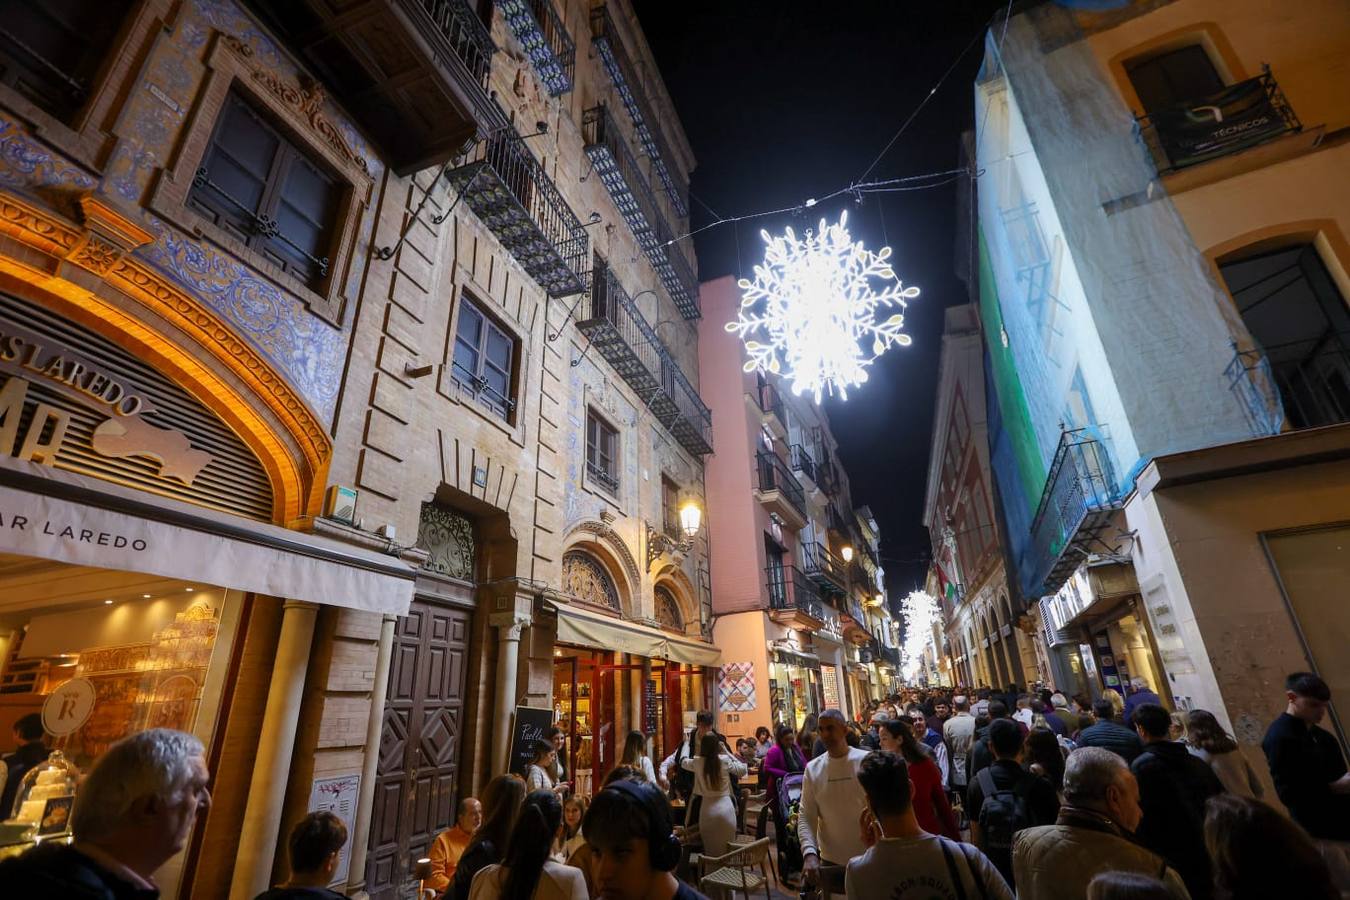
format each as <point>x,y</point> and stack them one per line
<point>1092,835</point>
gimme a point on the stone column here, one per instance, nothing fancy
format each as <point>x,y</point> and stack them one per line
<point>276,746</point>
<point>509,627</point>
<point>360,838</point>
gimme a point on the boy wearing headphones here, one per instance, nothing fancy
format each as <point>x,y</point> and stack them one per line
<point>633,845</point>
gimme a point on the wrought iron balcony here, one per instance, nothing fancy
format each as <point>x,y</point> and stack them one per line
<point>413,73</point>
<point>770,404</point>
<point>506,187</point>
<point>1240,116</point>
<point>1306,383</point>
<point>617,329</point>
<point>605,38</point>
<point>826,569</point>
<point>780,492</point>
<point>632,194</point>
<point>1076,507</point>
<point>792,592</point>
<point>802,461</point>
<point>544,37</point>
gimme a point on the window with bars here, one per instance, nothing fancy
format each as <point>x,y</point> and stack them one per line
<point>484,359</point>
<point>602,452</point>
<point>262,189</point>
<point>50,52</point>
<point>670,507</point>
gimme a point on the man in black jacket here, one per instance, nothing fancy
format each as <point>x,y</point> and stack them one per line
<point>1306,762</point>
<point>1173,788</point>
<point>1005,773</point>
<point>1110,734</point>
<point>28,733</point>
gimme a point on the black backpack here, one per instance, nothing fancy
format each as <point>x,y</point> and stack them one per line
<point>1003,814</point>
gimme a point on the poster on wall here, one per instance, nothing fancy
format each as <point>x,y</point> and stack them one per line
<point>338,796</point>
<point>736,688</point>
<point>829,678</point>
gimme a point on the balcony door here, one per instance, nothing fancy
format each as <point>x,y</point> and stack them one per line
<point>1301,322</point>
<point>1173,78</point>
<point>776,554</point>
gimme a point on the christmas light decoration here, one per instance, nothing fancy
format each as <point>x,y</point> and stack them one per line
<point>813,308</point>
<point>920,613</point>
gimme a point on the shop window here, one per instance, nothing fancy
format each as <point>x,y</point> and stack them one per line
<point>265,191</point>
<point>602,452</point>
<point>585,578</point>
<point>1173,78</point>
<point>668,610</point>
<point>484,359</point>
<point>670,507</point>
<point>51,52</point>
<point>1301,322</point>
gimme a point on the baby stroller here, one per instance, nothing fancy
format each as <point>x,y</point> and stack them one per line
<point>789,804</point>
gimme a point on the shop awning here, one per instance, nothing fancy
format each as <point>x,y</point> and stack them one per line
<point>591,629</point>
<point>61,516</point>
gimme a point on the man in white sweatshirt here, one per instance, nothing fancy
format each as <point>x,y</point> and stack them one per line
<point>832,800</point>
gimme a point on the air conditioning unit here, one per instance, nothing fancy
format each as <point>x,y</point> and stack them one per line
<point>339,504</point>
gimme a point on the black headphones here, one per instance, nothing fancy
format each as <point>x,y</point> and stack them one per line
<point>663,847</point>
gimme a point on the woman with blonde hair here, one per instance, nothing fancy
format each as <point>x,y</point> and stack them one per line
<point>713,771</point>
<point>1117,702</point>
<point>1206,739</point>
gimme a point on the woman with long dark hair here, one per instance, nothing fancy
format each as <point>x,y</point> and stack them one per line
<point>1258,853</point>
<point>526,871</point>
<point>501,801</point>
<point>1206,739</point>
<point>931,808</point>
<point>1045,758</point>
<point>713,771</point>
<point>808,736</point>
<point>635,755</point>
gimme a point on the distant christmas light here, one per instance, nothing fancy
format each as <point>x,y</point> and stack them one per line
<point>920,612</point>
<point>819,308</point>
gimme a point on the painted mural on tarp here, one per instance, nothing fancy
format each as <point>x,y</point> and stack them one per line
<point>305,349</point>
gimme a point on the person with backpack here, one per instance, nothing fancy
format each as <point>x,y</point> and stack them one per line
<point>1003,798</point>
<point>904,862</point>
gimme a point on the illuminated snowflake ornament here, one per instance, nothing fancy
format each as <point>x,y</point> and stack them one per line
<point>920,612</point>
<point>810,313</point>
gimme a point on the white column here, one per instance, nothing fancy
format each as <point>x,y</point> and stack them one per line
<point>365,804</point>
<point>276,746</point>
<point>509,627</point>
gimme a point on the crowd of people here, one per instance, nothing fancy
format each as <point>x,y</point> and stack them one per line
<point>931,793</point>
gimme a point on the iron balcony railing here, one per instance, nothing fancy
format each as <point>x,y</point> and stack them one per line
<point>774,476</point>
<point>544,38</point>
<point>769,400</point>
<point>1241,115</point>
<point>1076,506</point>
<point>605,38</point>
<point>802,461</point>
<point>505,186</point>
<point>1304,382</point>
<point>602,477</point>
<point>457,24</point>
<point>827,569</point>
<point>618,330</point>
<point>632,195</point>
<point>790,589</point>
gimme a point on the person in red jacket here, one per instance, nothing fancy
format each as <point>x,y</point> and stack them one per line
<point>930,800</point>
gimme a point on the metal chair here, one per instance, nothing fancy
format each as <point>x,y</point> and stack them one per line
<point>735,870</point>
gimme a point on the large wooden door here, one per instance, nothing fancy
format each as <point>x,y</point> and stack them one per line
<point>419,744</point>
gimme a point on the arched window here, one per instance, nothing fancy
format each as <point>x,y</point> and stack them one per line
<point>585,577</point>
<point>668,610</point>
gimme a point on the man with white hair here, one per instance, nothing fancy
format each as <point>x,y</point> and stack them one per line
<point>1092,834</point>
<point>1139,695</point>
<point>135,810</point>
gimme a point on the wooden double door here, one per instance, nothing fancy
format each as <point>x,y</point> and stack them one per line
<point>417,775</point>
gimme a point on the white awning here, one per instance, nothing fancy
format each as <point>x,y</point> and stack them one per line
<point>592,629</point>
<point>61,516</point>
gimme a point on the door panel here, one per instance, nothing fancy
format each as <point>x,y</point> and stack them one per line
<point>419,744</point>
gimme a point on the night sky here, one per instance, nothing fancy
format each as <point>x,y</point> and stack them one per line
<point>786,100</point>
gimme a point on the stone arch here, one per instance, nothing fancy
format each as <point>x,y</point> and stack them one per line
<point>603,543</point>
<point>673,579</point>
<point>586,576</point>
<point>169,328</point>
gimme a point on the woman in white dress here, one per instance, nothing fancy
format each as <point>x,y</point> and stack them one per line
<point>635,755</point>
<point>713,771</point>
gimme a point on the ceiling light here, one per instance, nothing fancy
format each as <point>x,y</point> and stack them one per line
<point>189,590</point>
<point>145,596</point>
<point>107,603</point>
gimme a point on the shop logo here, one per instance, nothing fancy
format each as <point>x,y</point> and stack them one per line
<point>125,433</point>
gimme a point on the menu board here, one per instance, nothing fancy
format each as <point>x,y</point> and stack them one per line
<point>338,796</point>
<point>531,725</point>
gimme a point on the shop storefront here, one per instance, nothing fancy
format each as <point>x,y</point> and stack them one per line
<point>137,551</point>
<point>795,686</point>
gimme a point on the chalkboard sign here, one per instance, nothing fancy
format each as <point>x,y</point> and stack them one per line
<point>649,705</point>
<point>531,725</point>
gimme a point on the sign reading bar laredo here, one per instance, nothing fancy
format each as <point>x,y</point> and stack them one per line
<point>74,400</point>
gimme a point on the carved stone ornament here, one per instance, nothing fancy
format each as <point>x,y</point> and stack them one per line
<point>306,98</point>
<point>448,539</point>
<point>614,543</point>
<point>584,577</point>
<point>668,613</point>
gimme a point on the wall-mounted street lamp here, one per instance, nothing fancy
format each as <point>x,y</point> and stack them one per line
<point>846,552</point>
<point>691,516</point>
<point>658,542</point>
